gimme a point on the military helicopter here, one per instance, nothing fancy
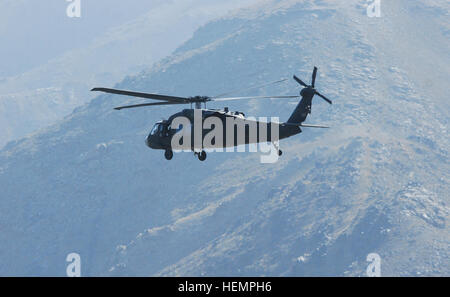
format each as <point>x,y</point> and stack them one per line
<point>163,132</point>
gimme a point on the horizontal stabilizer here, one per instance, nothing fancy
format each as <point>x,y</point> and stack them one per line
<point>306,125</point>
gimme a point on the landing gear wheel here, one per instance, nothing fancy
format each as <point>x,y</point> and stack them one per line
<point>168,154</point>
<point>202,156</point>
<point>280,152</point>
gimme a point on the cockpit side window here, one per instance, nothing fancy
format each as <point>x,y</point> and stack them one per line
<point>173,130</point>
<point>180,127</point>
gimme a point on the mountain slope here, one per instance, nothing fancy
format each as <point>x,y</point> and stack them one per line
<point>376,182</point>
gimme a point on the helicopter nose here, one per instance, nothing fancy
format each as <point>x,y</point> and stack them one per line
<point>147,141</point>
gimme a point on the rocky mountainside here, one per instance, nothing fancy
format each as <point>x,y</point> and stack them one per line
<point>376,182</point>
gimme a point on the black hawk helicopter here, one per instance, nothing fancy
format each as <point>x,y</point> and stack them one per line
<point>162,133</point>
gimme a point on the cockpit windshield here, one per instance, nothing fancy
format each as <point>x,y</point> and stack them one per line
<point>156,129</point>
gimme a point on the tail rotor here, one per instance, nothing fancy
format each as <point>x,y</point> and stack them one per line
<point>310,89</point>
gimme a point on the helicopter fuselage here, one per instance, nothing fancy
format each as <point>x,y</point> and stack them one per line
<point>233,127</point>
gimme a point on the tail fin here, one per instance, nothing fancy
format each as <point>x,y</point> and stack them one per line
<point>301,111</point>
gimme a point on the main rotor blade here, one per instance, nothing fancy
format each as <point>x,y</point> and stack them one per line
<point>313,80</point>
<point>254,97</point>
<point>300,81</point>
<point>142,95</point>
<point>147,104</point>
<point>324,98</point>
<point>251,88</point>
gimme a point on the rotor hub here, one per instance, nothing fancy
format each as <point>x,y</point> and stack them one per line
<point>308,92</point>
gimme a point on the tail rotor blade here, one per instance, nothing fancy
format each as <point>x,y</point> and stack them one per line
<point>313,81</point>
<point>324,98</point>
<point>300,81</point>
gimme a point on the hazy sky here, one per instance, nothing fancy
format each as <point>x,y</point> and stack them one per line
<point>32,32</point>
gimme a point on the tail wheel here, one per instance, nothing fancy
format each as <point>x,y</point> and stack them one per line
<point>280,152</point>
<point>202,156</point>
<point>168,154</point>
